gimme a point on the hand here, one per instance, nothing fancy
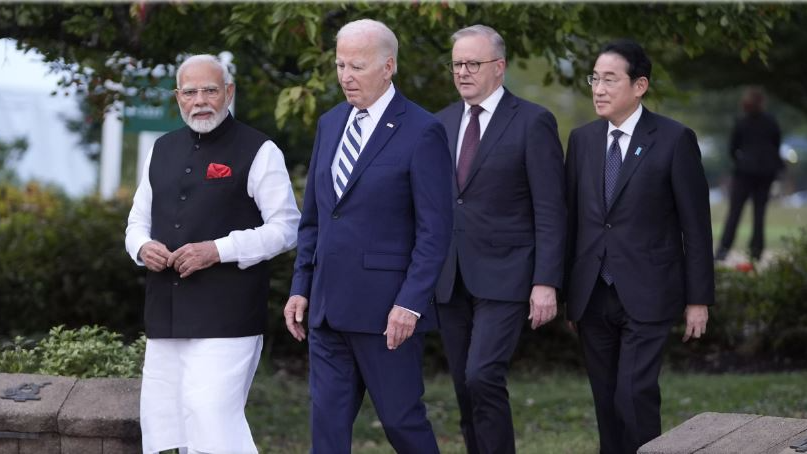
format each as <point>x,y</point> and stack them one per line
<point>696,315</point>
<point>193,257</point>
<point>294,312</point>
<point>400,326</point>
<point>154,255</point>
<point>543,305</point>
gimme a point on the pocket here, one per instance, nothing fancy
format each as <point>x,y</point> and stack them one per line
<point>218,181</point>
<point>389,262</point>
<point>665,255</point>
<point>512,239</point>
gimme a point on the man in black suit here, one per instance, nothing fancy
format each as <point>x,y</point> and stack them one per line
<point>505,261</point>
<point>754,150</point>
<point>639,245</point>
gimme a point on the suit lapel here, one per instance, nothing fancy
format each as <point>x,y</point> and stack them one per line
<point>505,111</point>
<point>598,144</point>
<point>453,129</point>
<point>640,145</point>
<point>389,123</point>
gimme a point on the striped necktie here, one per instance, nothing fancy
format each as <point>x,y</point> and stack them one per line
<point>349,151</point>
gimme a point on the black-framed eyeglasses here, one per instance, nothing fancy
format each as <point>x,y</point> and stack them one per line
<point>188,94</point>
<point>472,66</point>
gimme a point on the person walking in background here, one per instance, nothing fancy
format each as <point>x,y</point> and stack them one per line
<point>214,205</point>
<point>374,233</point>
<point>754,151</point>
<point>639,245</point>
<point>505,262</point>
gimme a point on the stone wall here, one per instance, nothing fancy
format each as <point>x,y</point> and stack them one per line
<point>72,416</point>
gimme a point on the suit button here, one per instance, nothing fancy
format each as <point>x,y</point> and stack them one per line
<point>196,146</point>
<point>608,226</point>
<point>183,197</point>
<point>460,201</point>
<point>176,226</point>
<point>175,283</point>
<point>335,216</point>
<point>187,170</point>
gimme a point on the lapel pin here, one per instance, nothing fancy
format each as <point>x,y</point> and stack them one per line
<point>389,125</point>
<point>638,151</point>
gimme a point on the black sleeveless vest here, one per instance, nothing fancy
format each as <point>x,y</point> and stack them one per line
<point>187,207</point>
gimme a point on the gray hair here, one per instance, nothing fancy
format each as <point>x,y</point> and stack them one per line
<point>387,42</point>
<point>492,35</point>
<point>209,59</point>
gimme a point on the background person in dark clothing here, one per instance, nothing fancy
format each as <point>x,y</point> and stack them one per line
<point>754,149</point>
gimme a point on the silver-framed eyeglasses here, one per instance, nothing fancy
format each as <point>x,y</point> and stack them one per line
<point>609,82</point>
<point>472,66</point>
<point>211,93</point>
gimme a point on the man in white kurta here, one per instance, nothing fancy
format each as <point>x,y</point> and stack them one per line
<point>214,205</point>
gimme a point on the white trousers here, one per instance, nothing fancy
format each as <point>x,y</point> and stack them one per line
<point>194,392</point>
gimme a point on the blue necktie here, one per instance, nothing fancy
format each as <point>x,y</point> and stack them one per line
<point>349,150</point>
<point>613,161</point>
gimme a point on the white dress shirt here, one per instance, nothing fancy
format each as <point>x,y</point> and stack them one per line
<point>267,183</point>
<point>368,124</point>
<point>489,105</point>
<point>627,128</point>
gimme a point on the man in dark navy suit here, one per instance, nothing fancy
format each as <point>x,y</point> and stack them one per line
<point>506,256</point>
<point>639,245</point>
<point>373,235</point>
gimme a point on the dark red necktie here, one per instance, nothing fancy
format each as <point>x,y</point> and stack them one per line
<point>470,143</point>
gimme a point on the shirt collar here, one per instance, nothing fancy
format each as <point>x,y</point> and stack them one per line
<point>379,106</point>
<point>490,103</point>
<point>629,124</point>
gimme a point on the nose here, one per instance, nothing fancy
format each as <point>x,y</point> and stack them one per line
<point>598,88</point>
<point>464,71</point>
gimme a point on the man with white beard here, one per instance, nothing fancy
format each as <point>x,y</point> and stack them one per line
<point>214,205</point>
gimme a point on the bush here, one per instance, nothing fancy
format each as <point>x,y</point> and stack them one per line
<point>90,351</point>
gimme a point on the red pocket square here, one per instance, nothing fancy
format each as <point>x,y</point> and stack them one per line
<point>218,171</point>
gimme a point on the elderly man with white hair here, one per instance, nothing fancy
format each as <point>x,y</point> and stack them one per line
<point>373,236</point>
<point>214,205</point>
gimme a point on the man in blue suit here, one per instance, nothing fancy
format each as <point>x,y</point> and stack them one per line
<point>639,245</point>
<point>505,261</point>
<point>373,236</point>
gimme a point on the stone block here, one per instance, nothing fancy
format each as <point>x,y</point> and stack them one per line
<point>696,433</point>
<point>763,435</point>
<point>45,443</point>
<point>102,407</point>
<point>9,446</point>
<point>33,416</point>
<point>82,445</point>
<point>122,446</point>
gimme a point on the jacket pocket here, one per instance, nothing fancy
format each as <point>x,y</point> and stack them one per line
<point>512,239</point>
<point>665,255</point>
<point>389,262</point>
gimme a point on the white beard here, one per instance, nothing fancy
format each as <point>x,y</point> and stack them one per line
<point>204,126</point>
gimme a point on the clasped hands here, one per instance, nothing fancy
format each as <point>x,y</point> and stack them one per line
<point>186,260</point>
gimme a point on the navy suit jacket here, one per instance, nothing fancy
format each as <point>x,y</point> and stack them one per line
<point>384,241</point>
<point>510,218</point>
<point>658,231</point>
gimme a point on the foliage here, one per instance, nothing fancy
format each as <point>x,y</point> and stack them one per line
<point>284,52</point>
<point>10,152</point>
<point>90,351</point>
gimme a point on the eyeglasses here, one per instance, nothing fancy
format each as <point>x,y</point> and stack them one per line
<point>188,94</point>
<point>472,66</point>
<point>609,82</point>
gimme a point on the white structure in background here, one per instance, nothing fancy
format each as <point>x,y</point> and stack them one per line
<point>28,110</point>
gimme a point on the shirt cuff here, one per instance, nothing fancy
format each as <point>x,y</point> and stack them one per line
<point>417,314</point>
<point>226,249</point>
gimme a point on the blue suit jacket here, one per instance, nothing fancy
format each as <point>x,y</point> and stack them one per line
<point>384,242</point>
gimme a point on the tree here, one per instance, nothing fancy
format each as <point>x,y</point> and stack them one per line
<point>284,52</point>
<point>10,152</point>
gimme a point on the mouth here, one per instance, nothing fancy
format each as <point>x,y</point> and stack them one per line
<point>203,115</point>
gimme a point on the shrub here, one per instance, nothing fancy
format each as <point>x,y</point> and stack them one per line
<point>90,351</point>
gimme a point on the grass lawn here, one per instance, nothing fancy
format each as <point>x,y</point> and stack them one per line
<point>553,412</point>
<point>780,221</point>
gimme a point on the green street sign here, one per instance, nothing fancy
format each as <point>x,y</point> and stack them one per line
<point>157,112</point>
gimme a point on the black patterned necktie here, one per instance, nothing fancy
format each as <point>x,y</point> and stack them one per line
<point>470,143</point>
<point>613,162</point>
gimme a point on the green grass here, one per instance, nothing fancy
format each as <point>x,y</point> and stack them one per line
<point>779,221</point>
<point>553,412</point>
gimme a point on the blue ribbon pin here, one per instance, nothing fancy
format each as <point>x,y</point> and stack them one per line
<point>638,151</point>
